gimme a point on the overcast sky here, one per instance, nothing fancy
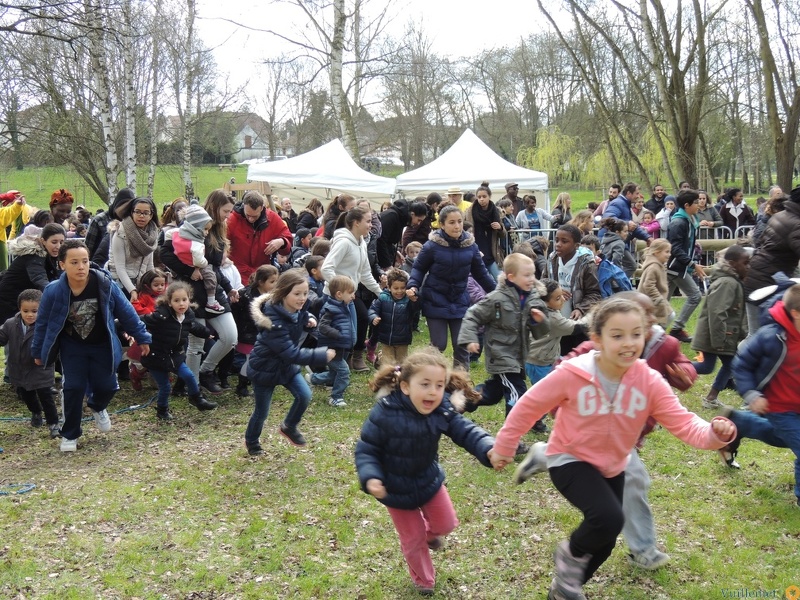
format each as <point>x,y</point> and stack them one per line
<point>454,28</point>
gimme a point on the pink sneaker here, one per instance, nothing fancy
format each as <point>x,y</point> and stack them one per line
<point>215,308</point>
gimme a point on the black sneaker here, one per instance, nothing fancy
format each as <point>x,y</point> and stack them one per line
<point>293,435</point>
<point>681,335</point>
<point>54,433</point>
<point>255,450</point>
<point>163,414</point>
<point>210,382</point>
<point>36,420</point>
<point>522,449</point>
<point>223,382</point>
<point>540,427</point>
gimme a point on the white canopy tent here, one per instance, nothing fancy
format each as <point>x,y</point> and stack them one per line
<point>468,162</point>
<point>321,173</point>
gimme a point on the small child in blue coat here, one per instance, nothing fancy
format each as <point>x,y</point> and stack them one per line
<point>337,330</point>
<point>392,314</point>
<point>397,457</point>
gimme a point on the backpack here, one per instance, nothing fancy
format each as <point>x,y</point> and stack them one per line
<point>612,279</point>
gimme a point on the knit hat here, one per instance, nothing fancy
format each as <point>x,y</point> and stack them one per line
<point>794,196</point>
<point>61,196</point>
<point>302,233</point>
<point>196,216</point>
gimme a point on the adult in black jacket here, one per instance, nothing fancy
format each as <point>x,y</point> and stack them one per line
<point>35,265</point>
<point>393,220</point>
<point>778,251</point>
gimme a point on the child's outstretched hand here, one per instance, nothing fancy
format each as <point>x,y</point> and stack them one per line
<point>312,322</point>
<point>724,429</point>
<point>331,354</point>
<point>499,461</point>
<point>376,488</point>
<point>537,315</point>
<point>197,275</point>
<point>678,373</point>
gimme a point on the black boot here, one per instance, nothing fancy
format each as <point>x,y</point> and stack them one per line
<point>199,401</point>
<point>210,382</point>
<point>179,388</point>
<point>163,414</point>
<point>241,387</point>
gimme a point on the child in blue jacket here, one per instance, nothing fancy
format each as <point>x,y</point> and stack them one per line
<point>392,314</point>
<point>337,330</point>
<point>397,457</point>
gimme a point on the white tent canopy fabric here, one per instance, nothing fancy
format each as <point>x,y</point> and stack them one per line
<point>466,164</point>
<point>322,173</point>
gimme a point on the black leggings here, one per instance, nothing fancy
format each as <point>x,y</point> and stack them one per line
<point>40,400</point>
<point>600,501</point>
<point>362,321</point>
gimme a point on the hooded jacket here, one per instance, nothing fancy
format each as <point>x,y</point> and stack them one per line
<point>277,354</point>
<point>778,249</point>
<point>397,316</point>
<point>612,247</point>
<point>22,371</point>
<point>544,352</point>
<point>348,256</point>
<point>393,220</point>
<point>54,310</point>
<point>448,262</point>
<point>585,287</point>
<point>597,430</point>
<point>337,326</point>
<point>681,236</point>
<point>31,268</point>
<point>762,355</point>
<point>722,323</point>
<point>508,325</point>
<point>248,240</point>
<point>653,283</point>
<point>400,447</point>
<point>170,338</point>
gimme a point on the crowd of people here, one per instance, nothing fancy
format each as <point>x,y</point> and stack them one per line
<point>251,289</point>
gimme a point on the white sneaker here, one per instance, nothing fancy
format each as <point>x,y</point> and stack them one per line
<point>650,560</point>
<point>534,462</point>
<point>337,402</point>
<point>69,445</point>
<point>307,377</point>
<point>102,420</point>
<point>711,403</point>
<point>215,308</point>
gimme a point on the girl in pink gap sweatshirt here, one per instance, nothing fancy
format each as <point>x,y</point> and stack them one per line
<point>604,399</point>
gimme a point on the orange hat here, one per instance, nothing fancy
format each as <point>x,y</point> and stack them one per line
<point>61,196</point>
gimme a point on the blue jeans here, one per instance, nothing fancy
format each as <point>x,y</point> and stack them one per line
<point>781,430</point>
<point>262,395</point>
<point>708,364</point>
<point>164,388</point>
<point>84,366</point>
<point>537,372</point>
<point>639,529</point>
<point>339,374</point>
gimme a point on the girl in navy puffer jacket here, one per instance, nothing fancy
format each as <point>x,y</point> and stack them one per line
<point>281,317</point>
<point>397,455</point>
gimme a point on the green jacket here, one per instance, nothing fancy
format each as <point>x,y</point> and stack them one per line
<point>722,323</point>
<point>507,326</point>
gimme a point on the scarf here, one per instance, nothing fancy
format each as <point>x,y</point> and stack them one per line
<point>483,218</point>
<point>141,242</point>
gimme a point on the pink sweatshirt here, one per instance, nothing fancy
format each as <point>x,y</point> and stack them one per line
<point>597,431</point>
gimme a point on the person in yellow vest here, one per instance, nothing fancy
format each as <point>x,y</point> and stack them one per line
<point>12,203</point>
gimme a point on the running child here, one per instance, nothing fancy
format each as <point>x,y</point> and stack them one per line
<point>337,330</point>
<point>653,281</point>
<point>170,325</point>
<point>34,383</point>
<point>149,287</point>
<point>281,317</point>
<point>392,315</point>
<point>608,390</point>
<point>397,457</point>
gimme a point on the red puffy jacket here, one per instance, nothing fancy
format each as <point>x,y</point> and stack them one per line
<point>248,240</point>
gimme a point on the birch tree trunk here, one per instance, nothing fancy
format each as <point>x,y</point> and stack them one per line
<point>186,119</point>
<point>103,93</point>
<point>341,105</point>
<point>130,102</point>
<point>151,174</point>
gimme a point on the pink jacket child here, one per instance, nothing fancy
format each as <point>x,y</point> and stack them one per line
<point>598,431</point>
<point>591,441</point>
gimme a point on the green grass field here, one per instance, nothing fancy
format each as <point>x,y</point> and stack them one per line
<point>156,511</point>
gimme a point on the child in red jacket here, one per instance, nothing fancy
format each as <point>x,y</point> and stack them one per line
<point>150,286</point>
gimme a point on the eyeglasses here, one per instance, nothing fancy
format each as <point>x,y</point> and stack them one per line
<point>142,213</point>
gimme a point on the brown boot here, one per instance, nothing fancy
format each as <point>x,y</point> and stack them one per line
<point>359,366</point>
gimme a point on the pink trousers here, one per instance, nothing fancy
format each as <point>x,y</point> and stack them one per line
<point>416,527</point>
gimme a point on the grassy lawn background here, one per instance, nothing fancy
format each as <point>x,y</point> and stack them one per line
<point>181,511</point>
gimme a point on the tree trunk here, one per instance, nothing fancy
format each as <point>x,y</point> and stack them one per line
<point>130,102</point>
<point>13,130</point>
<point>151,174</point>
<point>341,105</point>
<point>186,121</point>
